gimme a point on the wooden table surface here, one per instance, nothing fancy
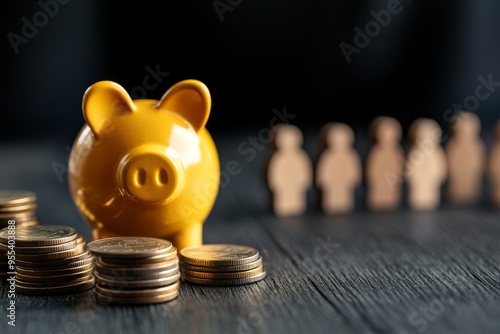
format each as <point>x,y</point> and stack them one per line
<point>401,272</point>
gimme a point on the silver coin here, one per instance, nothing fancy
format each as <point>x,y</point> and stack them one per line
<point>16,197</point>
<point>218,255</point>
<point>129,247</point>
<point>40,235</point>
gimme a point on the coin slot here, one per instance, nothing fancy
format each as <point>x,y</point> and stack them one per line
<point>141,177</point>
<point>162,176</point>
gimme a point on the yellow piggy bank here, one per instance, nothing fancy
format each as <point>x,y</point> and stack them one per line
<point>145,167</point>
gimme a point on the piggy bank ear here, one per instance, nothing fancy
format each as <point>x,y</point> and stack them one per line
<point>189,99</point>
<point>102,103</point>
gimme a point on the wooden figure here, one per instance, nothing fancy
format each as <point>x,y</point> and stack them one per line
<point>338,169</point>
<point>494,168</point>
<point>425,167</point>
<point>289,171</point>
<point>383,166</point>
<point>466,160</point>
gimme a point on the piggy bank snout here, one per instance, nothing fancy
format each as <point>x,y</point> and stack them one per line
<point>151,175</point>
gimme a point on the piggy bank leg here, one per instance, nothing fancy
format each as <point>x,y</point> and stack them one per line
<point>191,235</point>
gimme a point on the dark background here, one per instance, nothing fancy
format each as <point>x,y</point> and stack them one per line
<point>375,273</point>
<point>262,55</point>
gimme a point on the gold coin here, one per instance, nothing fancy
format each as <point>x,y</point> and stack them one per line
<point>40,235</point>
<point>17,217</point>
<point>107,299</point>
<point>53,283</point>
<point>53,272</point>
<point>129,247</point>
<point>80,239</point>
<point>136,293</point>
<point>218,255</point>
<point>41,249</point>
<point>27,208</point>
<point>125,273</point>
<point>19,224</point>
<point>117,283</point>
<point>223,269</point>
<point>79,249</point>
<point>67,277</point>
<point>140,261</point>
<point>56,290</point>
<point>146,269</point>
<point>222,282</point>
<point>27,223</point>
<point>64,262</point>
<point>16,197</point>
<point>228,275</point>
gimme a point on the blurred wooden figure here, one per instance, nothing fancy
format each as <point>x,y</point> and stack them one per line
<point>494,168</point>
<point>289,171</point>
<point>466,160</point>
<point>338,169</point>
<point>384,165</point>
<point>425,168</point>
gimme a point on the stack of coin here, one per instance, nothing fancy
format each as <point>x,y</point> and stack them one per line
<point>17,207</point>
<point>49,260</point>
<point>221,265</point>
<point>135,270</point>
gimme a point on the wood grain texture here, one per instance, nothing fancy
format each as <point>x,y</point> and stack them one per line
<point>362,272</point>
